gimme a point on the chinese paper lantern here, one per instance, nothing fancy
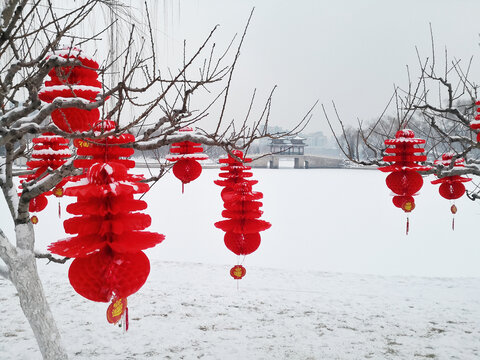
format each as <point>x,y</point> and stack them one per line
<point>238,272</point>
<point>49,152</point>
<point>108,229</point>
<point>404,180</point>
<point>242,210</point>
<point>73,82</point>
<point>451,187</point>
<point>185,155</point>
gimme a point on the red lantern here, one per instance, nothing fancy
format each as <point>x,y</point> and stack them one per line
<point>187,170</point>
<point>404,180</point>
<point>451,187</point>
<point>73,82</point>
<point>49,153</point>
<point>238,272</point>
<point>109,238</point>
<point>185,155</point>
<point>242,210</point>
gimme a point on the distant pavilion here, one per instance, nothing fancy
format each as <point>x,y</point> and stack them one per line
<point>288,146</point>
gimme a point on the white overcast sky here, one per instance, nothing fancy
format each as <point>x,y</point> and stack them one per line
<point>349,51</point>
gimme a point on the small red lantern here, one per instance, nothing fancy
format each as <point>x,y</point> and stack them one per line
<point>238,272</point>
<point>404,180</point>
<point>49,153</point>
<point>451,187</point>
<point>185,155</point>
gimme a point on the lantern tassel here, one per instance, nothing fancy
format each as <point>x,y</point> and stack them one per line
<point>59,210</point>
<point>408,226</point>
<point>453,223</point>
<point>183,187</point>
<point>125,320</point>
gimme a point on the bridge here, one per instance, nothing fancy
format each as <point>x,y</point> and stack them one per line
<point>301,161</point>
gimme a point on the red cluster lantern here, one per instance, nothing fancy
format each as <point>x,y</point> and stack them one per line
<point>109,262</point>
<point>73,82</point>
<point>49,153</point>
<point>185,155</point>
<point>242,209</point>
<point>451,187</point>
<point>404,180</point>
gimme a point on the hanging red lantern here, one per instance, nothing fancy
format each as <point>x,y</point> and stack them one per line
<point>49,152</point>
<point>451,187</point>
<point>109,238</point>
<point>242,210</point>
<point>238,272</point>
<point>185,155</point>
<point>404,180</point>
<point>73,82</point>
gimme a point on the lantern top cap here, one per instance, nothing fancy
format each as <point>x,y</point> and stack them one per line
<point>186,128</point>
<point>405,133</point>
<point>447,156</point>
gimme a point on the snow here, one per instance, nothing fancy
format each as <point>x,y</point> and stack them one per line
<point>307,293</point>
<point>191,310</point>
<point>195,156</point>
<point>404,140</point>
<point>51,152</point>
<point>108,168</point>
<point>48,89</point>
<point>69,52</point>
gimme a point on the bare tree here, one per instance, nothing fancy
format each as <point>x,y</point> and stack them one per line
<point>439,105</point>
<point>160,102</point>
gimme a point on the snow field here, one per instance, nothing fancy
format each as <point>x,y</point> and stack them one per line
<point>192,311</point>
<point>304,295</point>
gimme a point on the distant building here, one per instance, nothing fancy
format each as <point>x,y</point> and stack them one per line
<point>288,146</point>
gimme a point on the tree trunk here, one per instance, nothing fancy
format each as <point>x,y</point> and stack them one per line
<point>24,276</point>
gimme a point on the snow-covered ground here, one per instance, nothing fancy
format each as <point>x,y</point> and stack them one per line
<point>305,295</point>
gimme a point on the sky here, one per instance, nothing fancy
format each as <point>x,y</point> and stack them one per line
<point>347,51</point>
